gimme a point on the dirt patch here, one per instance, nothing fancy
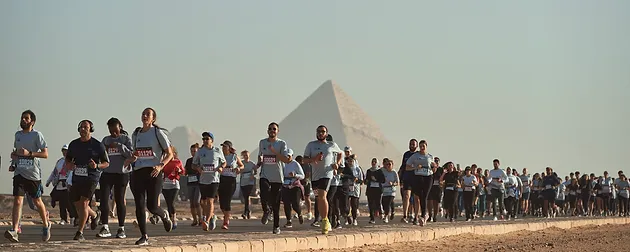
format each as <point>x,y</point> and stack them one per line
<point>586,238</point>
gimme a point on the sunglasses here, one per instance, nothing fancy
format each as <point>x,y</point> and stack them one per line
<point>321,131</point>
<point>206,138</point>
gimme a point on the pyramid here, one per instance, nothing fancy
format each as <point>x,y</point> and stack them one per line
<point>182,138</point>
<point>346,121</point>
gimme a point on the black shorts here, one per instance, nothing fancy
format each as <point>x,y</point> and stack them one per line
<point>308,188</point>
<point>321,184</point>
<point>81,189</point>
<point>209,191</point>
<point>549,195</point>
<point>22,186</point>
<point>435,193</point>
<point>407,180</point>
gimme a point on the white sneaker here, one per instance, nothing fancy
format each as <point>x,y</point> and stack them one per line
<point>495,218</point>
<point>309,216</point>
<point>62,223</point>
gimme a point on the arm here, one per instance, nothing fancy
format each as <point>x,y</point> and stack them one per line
<point>397,181</point>
<point>41,145</point>
<point>196,163</point>
<point>381,177</point>
<point>282,153</point>
<point>103,158</point>
<point>127,150</point>
<point>167,154</point>
<point>299,173</point>
<point>53,174</point>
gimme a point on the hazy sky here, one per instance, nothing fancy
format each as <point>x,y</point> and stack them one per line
<point>535,83</point>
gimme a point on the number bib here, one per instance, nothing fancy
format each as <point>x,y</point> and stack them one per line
<point>548,187</point>
<point>80,171</point>
<point>436,182</point>
<point>388,190</point>
<point>145,153</point>
<point>288,181</point>
<point>26,163</point>
<point>269,159</point>
<point>375,184</point>
<point>606,189</point>
<point>192,179</point>
<point>209,168</point>
<point>468,189</point>
<point>113,151</point>
<point>450,188</point>
<point>229,171</point>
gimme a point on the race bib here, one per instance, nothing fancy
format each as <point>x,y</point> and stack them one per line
<point>375,184</point>
<point>468,189</point>
<point>113,151</point>
<point>388,190</point>
<point>80,171</point>
<point>579,191</point>
<point>572,193</point>
<point>422,171</point>
<point>169,181</point>
<point>145,153</point>
<point>229,171</point>
<point>436,182</point>
<point>209,168</point>
<point>26,163</point>
<point>548,187</point>
<point>288,181</point>
<point>606,189</point>
<point>450,188</point>
<point>192,179</point>
<point>269,159</point>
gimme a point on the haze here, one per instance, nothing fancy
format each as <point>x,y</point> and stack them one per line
<point>533,83</point>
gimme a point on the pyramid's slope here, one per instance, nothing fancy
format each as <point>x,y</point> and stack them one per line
<point>182,138</point>
<point>352,116</point>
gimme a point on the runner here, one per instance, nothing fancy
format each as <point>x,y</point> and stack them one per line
<point>248,180</point>
<point>170,189</point>
<point>308,188</point>
<point>292,190</point>
<point>209,161</point>
<point>423,166</point>
<point>497,189</point>
<point>527,183</point>
<point>623,187</point>
<point>374,179</point>
<point>550,184</point>
<point>470,183</point>
<point>607,191</point>
<point>406,180</point>
<point>450,180</point>
<point>87,158</point>
<point>511,192</point>
<point>354,182</point>
<point>58,177</point>
<point>29,147</point>
<point>115,177</point>
<point>272,157</point>
<point>320,155</point>
<point>389,189</point>
<point>227,181</point>
<point>194,195</point>
<point>152,150</point>
<point>435,195</point>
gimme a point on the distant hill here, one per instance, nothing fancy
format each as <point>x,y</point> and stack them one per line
<point>182,138</point>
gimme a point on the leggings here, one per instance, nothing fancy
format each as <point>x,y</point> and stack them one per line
<point>374,200</point>
<point>388,202</point>
<point>64,204</point>
<point>586,202</point>
<point>510,204</point>
<point>340,201</point>
<point>247,191</point>
<point>422,189</point>
<point>227,187</point>
<point>119,183</point>
<point>291,199</point>
<point>450,198</point>
<point>605,202</point>
<point>481,204</point>
<point>469,200</point>
<point>332,190</point>
<point>270,194</point>
<point>146,193</point>
<point>169,197</point>
<point>354,205</point>
<point>497,195</point>
<point>623,205</point>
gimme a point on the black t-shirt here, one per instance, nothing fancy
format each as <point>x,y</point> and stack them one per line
<point>450,178</point>
<point>80,153</point>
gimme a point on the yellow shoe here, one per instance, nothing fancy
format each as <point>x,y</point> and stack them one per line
<point>325,226</point>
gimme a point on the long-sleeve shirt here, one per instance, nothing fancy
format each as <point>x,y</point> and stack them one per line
<point>58,173</point>
<point>374,177</point>
<point>295,168</point>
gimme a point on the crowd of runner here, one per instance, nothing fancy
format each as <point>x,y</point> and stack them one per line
<point>92,170</point>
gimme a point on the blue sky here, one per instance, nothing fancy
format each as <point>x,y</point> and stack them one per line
<point>534,83</point>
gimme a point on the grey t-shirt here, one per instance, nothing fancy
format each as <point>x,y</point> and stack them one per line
<point>247,174</point>
<point>322,169</point>
<point>272,167</point>
<point>525,180</point>
<point>149,146</point>
<point>421,159</point>
<point>390,176</point>
<point>118,153</point>
<point>230,166</point>
<point>210,159</point>
<point>29,167</point>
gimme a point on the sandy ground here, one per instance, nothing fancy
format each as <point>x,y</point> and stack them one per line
<point>588,238</point>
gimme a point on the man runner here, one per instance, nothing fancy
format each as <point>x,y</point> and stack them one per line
<point>29,146</point>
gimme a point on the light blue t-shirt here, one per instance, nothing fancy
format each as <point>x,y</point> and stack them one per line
<point>149,146</point>
<point>272,167</point>
<point>425,160</point>
<point>29,167</point>
<point>247,174</point>
<point>231,164</point>
<point>390,176</point>
<point>209,159</point>
<point>322,169</point>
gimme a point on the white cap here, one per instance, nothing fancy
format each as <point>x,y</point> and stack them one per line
<point>65,147</point>
<point>347,148</point>
<point>290,152</point>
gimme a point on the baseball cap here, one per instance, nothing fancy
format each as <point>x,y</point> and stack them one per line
<point>207,134</point>
<point>227,143</point>
<point>65,147</point>
<point>290,152</point>
<point>347,148</point>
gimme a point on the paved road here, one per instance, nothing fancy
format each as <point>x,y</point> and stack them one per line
<point>30,239</point>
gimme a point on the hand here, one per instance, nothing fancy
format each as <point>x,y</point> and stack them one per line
<point>92,164</point>
<point>335,166</point>
<point>47,184</point>
<point>23,152</point>
<point>220,170</point>
<point>319,157</point>
<point>11,168</point>
<point>14,155</point>
<point>260,159</point>
<point>291,174</point>
<point>130,160</point>
<point>334,172</point>
<point>69,166</point>
<point>373,178</point>
<point>252,176</point>
<point>156,170</point>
